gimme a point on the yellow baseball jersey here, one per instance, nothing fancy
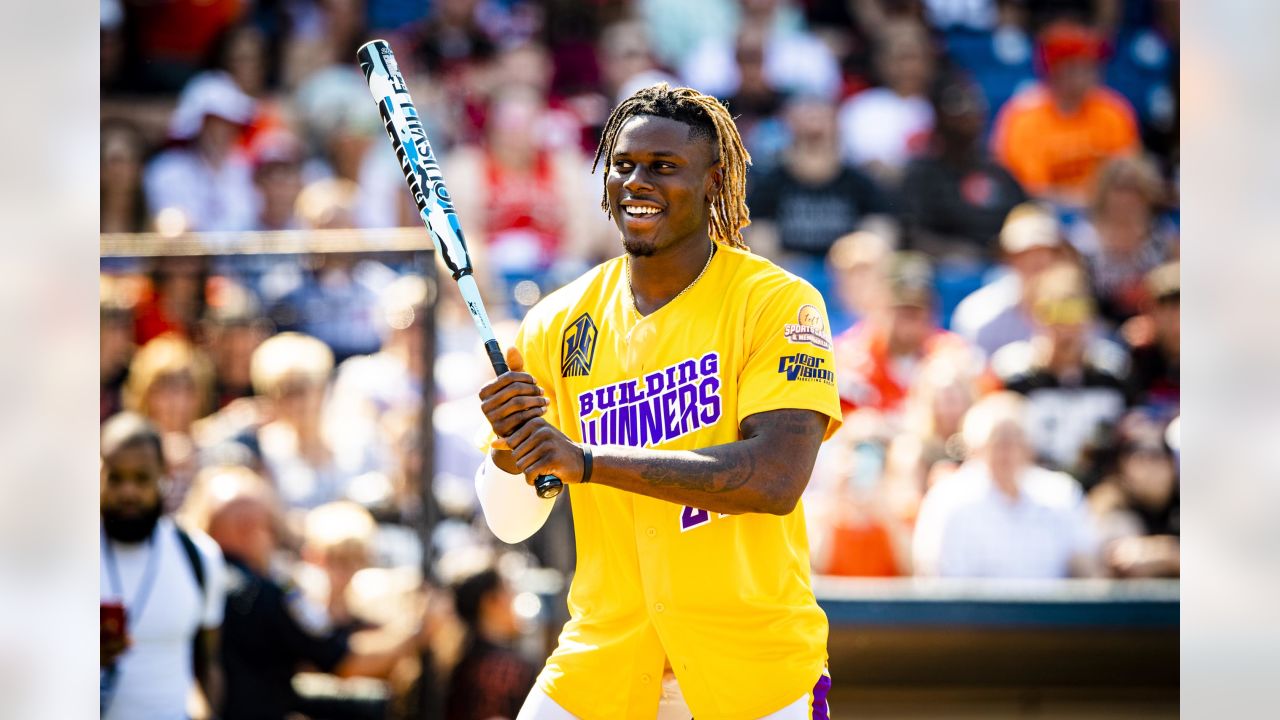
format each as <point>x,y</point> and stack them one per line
<point>726,598</point>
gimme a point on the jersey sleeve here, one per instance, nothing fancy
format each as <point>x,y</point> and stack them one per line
<point>790,363</point>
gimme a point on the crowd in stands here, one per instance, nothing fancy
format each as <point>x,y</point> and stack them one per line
<point>985,192</point>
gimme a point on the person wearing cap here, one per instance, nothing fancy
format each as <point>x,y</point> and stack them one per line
<point>205,183</point>
<point>1074,381</point>
<point>1055,136</point>
<point>998,314</point>
<point>955,198</point>
<point>877,359</point>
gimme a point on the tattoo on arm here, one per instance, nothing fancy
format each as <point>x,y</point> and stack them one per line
<point>709,480</point>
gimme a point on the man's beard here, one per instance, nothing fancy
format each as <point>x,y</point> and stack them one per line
<point>638,248</point>
<point>130,529</point>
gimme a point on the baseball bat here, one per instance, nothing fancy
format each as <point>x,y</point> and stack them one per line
<point>426,183</point>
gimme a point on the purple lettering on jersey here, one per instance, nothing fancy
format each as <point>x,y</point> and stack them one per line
<point>692,517</point>
<point>661,406</point>
<point>709,399</point>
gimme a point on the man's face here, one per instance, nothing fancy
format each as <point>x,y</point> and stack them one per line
<point>130,492</point>
<point>909,327</point>
<point>1032,261</point>
<point>1007,452</point>
<point>1071,79</point>
<point>658,184</point>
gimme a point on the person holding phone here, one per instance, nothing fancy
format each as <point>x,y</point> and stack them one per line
<point>161,587</point>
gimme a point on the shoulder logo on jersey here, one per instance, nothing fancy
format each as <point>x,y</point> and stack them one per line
<point>809,328</point>
<point>578,347</point>
<point>805,368</point>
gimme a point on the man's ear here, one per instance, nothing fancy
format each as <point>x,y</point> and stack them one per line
<point>715,178</point>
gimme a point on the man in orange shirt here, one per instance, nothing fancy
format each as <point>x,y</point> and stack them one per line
<point>1054,136</point>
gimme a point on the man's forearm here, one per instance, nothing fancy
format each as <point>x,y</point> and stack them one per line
<point>733,478</point>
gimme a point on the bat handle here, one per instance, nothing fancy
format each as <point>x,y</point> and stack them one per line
<point>547,486</point>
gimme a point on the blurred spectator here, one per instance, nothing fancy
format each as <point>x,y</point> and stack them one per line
<point>241,52</point>
<point>878,359</point>
<point>794,60</point>
<point>173,37</point>
<point>943,392</point>
<point>170,581</point>
<point>955,198</point>
<point>1156,343</point>
<point>1074,382</point>
<point>272,630</point>
<point>490,680</point>
<point>116,348</point>
<point>862,534</point>
<point>1000,313</point>
<point>884,127</point>
<point>757,103</point>
<point>1137,506</point>
<point>277,173</point>
<point>521,203</point>
<point>989,40</point>
<point>346,143</point>
<point>174,299</point>
<point>171,383</point>
<point>1055,137</point>
<point>452,40</point>
<point>676,27</point>
<point>291,371</point>
<point>123,204</point>
<point>370,391</point>
<point>232,330</point>
<point>627,62</point>
<point>332,296</point>
<point>1122,238</point>
<point>337,543</point>
<point>205,183</point>
<point>859,264</point>
<point>1000,516</point>
<point>813,197</point>
<point>324,33</point>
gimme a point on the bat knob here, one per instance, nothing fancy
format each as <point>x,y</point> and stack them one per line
<point>547,486</point>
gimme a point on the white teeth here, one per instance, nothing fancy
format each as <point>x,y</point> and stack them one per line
<point>634,210</point>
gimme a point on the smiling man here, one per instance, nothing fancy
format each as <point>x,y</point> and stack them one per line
<point>681,392</point>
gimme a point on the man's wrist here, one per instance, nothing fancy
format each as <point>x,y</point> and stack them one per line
<point>588,461</point>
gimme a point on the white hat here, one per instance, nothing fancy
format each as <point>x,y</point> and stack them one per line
<point>209,93</point>
<point>1029,226</point>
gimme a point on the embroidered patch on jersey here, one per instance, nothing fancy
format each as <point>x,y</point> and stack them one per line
<point>805,368</point>
<point>661,406</point>
<point>578,347</point>
<point>809,327</point>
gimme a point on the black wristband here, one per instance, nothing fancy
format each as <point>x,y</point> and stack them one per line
<point>586,464</point>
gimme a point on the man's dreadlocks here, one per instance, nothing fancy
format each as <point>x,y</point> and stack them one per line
<point>708,119</point>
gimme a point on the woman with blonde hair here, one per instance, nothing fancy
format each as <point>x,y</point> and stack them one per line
<point>171,382</point>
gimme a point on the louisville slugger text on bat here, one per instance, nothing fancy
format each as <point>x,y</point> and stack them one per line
<point>426,183</point>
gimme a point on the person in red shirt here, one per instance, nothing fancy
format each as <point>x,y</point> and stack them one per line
<point>1055,136</point>
<point>878,359</point>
